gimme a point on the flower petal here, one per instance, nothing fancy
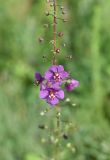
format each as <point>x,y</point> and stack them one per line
<point>48,75</point>
<point>54,68</point>
<point>56,86</point>
<point>75,82</point>
<point>42,86</point>
<point>60,68</point>
<point>64,75</point>
<point>60,94</point>
<point>43,94</point>
<point>71,85</point>
<point>38,76</point>
<point>53,101</point>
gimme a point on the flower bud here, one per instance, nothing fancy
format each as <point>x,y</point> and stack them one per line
<point>41,40</point>
<point>71,84</point>
<point>60,34</point>
<point>47,13</point>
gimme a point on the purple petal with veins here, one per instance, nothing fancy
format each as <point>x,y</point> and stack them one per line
<point>60,94</point>
<point>53,101</point>
<point>43,94</point>
<point>48,75</point>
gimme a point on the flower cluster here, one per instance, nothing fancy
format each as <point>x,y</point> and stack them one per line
<point>50,84</point>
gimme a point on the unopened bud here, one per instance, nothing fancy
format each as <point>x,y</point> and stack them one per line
<point>65,136</point>
<point>62,7</point>
<point>42,113</point>
<point>63,12</point>
<point>56,140</point>
<point>73,104</point>
<point>67,100</point>
<point>51,5</point>
<point>46,25</point>
<point>69,57</point>
<point>43,140</point>
<point>65,20</point>
<point>41,40</point>
<point>73,149</point>
<point>69,145</point>
<point>60,34</point>
<point>41,126</point>
<point>47,13</point>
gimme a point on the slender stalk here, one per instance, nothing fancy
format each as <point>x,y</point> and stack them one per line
<point>54,63</point>
<point>54,29</point>
<point>57,150</point>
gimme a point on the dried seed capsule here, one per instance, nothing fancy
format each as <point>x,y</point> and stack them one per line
<point>63,12</point>
<point>65,20</point>
<point>46,25</point>
<point>60,34</point>
<point>36,82</point>
<point>69,57</point>
<point>62,7</point>
<point>41,40</point>
<point>41,126</point>
<point>57,50</point>
<point>51,5</point>
<point>65,136</point>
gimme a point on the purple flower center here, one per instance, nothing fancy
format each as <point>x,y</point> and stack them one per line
<point>57,76</point>
<point>52,95</point>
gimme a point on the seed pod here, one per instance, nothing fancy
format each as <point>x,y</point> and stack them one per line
<point>41,126</point>
<point>57,50</point>
<point>62,7</point>
<point>41,40</point>
<point>65,136</point>
<point>69,57</point>
<point>65,20</point>
<point>51,5</point>
<point>60,34</point>
<point>63,12</point>
<point>46,25</point>
<point>36,82</point>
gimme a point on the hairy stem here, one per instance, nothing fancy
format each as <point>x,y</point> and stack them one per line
<point>57,146</point>
<point>57,149</point>
<point>54,29</point>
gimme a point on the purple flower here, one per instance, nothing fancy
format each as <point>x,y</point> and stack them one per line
<point>51,93</point>
<point>56,73</point>
<point>71,84</point>
<point>38,78</point>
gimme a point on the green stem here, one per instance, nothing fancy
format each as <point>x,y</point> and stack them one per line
<point>58,132</point>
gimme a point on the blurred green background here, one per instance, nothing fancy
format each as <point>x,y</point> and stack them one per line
<point>87,38</point>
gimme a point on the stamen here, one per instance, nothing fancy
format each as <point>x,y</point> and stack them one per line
<point>57,76</point>
<point>52,95</point>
